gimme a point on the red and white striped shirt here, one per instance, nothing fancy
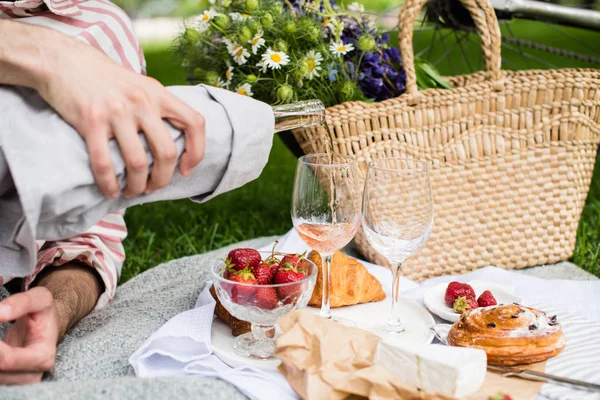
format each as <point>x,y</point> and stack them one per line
<point>105,26</point>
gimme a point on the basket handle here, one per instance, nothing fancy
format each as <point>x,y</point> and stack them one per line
<point>488,29</point>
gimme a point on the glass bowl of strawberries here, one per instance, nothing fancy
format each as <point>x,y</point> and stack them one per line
<point>261,287</point>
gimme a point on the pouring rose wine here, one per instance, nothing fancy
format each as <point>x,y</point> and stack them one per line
<point>326,208</point>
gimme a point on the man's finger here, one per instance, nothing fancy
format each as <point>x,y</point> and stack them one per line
<point>34,358</point>
<point>163,150</point>
<point>32,301</point>
<point>136,162</point>
<point>192,123</point>
<point>102,165</point>
<point>20,378</point>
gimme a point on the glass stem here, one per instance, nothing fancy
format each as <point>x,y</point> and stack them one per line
<point>263,332</point>
<point>326,267</point>
<point>394,320</point>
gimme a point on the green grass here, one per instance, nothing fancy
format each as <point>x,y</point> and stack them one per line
<point>163,231</point>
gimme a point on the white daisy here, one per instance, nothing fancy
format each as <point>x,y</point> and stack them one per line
<point>240,55</point>
<point>228,76</point>
<point>339,49</point>
<point>262,66</point>
<point>356,7</point>
<point>244,90</point>
<point>313,62</point>
<point>274,59</point>
<point>203,19</point>
<point>236,16</point>
<point>220,83</point>
<point>257,42</point>
<point>329,23</point>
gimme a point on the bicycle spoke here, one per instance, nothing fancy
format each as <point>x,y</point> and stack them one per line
<point>574,39</point>
<point>553,50</point>
<point>419,29</point>
<point>431,45</point>
<point>464,53</point>
<point>531,57</point>
<point>435,33</point>
<point>451,64</point>
<point>480,65</point>
<point>509,64</point>
<point>519,47</point>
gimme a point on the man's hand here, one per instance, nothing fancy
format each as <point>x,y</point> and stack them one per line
<point>102,100</point>
<point>29,346</point>
<point>43,314</point>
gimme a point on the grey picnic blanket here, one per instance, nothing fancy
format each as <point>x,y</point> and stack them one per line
<point>47,189</point>
<point>92,361</point>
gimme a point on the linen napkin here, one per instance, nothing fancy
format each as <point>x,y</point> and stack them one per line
<point>182,347</point>
<point>576,302</point>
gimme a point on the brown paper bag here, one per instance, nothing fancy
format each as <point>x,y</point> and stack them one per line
<point>322,359</point>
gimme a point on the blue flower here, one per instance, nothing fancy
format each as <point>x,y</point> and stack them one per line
<point>351,70</point>
<point>332,71</point>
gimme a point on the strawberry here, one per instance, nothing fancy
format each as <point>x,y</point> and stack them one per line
<point>486,299</point>
<point>241,258</point>
<point>464,303</point>
<point>293,260</point>
<point>266,298</point>
<point>456,290</point>
<point>264,273</point>
<point>241,294</point>
<point>500,396</point>
<point>287,274</point>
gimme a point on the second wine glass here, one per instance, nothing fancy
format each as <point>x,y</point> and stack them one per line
<point>326,209</point>
<point>397,218</point>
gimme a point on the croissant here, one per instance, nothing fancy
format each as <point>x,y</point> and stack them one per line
<point>350,283</point>
<point>238,327</point>
<point>509,334</point>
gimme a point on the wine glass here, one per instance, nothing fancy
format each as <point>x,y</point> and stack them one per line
<point>397,218</point>
<point>326,209</point>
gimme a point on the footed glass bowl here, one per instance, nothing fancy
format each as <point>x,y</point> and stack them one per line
<point>262,306</point>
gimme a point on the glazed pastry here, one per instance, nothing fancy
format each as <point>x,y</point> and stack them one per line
<point>238,327</point>
<point>350,284</point>
<point>509,334</point>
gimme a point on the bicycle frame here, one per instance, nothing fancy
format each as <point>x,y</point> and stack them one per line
<point>535,9</point>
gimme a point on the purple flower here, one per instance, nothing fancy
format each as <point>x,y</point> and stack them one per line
<point>383,39</point>
<point>381,74</point>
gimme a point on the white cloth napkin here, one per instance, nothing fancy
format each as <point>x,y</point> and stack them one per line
<point>577,304</point>
<point>182,347</point>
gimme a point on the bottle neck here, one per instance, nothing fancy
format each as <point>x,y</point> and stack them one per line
<point>299,115</point>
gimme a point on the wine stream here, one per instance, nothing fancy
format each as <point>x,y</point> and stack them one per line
<point>329,151</point>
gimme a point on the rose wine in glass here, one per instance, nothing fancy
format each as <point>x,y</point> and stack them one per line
<point>326,208</point>
<point>397,218</point>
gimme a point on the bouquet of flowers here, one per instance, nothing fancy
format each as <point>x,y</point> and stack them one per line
<point>297,50</point>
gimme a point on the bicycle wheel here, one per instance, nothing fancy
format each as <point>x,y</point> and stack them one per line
<point>446,37</point>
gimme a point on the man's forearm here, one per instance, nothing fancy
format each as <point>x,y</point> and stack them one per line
<point>27,53</point>
<point>75,289</point>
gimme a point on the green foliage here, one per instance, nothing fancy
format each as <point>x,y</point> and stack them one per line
<point>285,54</point>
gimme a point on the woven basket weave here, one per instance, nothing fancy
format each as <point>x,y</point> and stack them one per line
<point>511,155</point>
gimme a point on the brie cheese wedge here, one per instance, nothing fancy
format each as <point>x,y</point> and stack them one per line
<point>452,371</point>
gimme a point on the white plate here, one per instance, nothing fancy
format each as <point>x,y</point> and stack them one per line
<point>414,317</point>
<point>434,297</point>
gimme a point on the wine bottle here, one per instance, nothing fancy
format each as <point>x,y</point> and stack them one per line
<point>299,115</point>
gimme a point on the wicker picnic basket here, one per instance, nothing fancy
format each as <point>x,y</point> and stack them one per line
<point>511,155</point>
